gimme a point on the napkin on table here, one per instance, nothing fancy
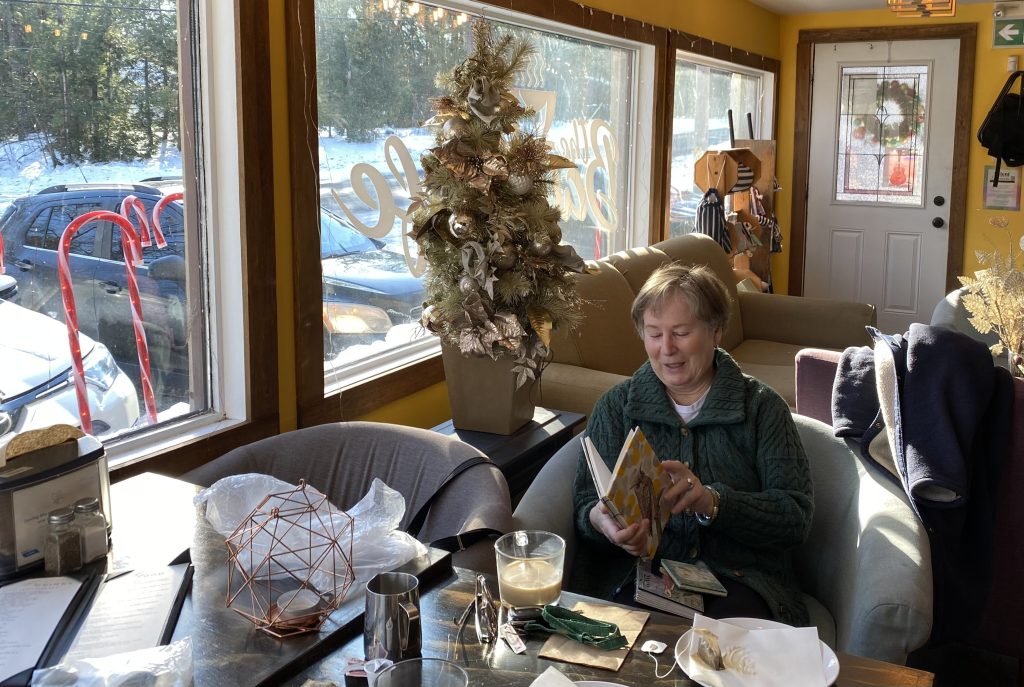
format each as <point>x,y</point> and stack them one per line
<point>789,657</point>
<point>630,622</point>
<point>552,677</point>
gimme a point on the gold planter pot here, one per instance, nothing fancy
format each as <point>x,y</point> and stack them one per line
<point>483,395</point>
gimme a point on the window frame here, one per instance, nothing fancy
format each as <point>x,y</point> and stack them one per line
<point>418,371</point>
<point>719,55</point>
<point>233,193</point>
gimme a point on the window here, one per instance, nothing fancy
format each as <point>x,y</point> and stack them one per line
<point>376,63</point>
<point>882,133</point>
<point>113,93</point>
<point>705,91</point>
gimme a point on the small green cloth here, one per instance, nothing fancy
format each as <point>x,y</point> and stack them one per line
<point>575,625</point>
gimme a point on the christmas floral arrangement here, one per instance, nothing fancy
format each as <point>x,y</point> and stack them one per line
<point>994,297</point>
<point>498,277</point>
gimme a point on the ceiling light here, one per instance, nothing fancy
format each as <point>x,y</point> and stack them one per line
<point>923,8</point>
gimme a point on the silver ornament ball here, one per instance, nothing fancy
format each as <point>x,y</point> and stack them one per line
<point>540,246</point>
<point>520,184</point>
<point>455,127</point>
<point>468,284</point>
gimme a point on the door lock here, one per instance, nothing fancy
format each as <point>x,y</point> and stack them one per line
<point>939,201</point>
<point>938,222</point>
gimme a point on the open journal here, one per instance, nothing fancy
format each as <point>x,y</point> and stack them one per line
<point>631,491</point>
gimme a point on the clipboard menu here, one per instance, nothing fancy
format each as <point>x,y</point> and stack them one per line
<point>40,617</point>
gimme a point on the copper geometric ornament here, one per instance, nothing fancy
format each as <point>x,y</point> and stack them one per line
<point>290,562</point>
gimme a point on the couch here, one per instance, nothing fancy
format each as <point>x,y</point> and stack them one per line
<point>764,333</point>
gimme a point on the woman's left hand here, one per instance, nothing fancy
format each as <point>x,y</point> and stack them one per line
<point>686,493</point>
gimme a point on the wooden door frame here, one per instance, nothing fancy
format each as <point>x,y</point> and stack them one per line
<point>967,35</point>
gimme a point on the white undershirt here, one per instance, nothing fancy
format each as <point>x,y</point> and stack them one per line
<point>688,413</point>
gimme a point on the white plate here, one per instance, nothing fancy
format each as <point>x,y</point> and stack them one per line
<point>829,661</point>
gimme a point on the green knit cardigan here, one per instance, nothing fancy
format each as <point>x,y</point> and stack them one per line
<point>745,445</point>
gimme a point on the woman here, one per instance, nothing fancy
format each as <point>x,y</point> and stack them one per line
<point>741,494</point>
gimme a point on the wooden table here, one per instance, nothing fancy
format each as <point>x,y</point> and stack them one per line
<point>522,454</point>
<point>496,665</point>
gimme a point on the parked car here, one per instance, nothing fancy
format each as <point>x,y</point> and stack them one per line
<point>35,378</point>
<point>32,226</point>
<point>366,288</point>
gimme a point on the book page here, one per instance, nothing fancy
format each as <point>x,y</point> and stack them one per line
<point>599,472</point>
<point>32,609</point>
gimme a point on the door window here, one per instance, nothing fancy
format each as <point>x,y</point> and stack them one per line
<point>881,134</point>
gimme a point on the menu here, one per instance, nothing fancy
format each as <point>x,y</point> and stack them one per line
<point>33,610</point>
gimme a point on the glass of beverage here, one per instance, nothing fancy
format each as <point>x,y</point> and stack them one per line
<point>529,568</point>
<point>422,672</point>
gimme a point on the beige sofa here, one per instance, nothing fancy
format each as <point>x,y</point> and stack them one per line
<point>764,334</point>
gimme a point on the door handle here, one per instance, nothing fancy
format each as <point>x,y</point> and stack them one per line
<point>111,286</point>
<point>24,265</point>
<point>938,222</point>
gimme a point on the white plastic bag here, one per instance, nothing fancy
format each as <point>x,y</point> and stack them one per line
<point>377,543</point>
<point>160,666</point>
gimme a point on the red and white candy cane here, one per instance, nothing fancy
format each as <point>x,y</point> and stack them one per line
<point>2,270</point>
<point>132,248</point>
<point>159,208</point>
<point>132,203</point>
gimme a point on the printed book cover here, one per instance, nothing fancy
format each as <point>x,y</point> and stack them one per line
<point>659,593</point>
<point>695,577</point>
<point>632,489</point>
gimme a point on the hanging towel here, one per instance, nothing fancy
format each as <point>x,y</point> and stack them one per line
<point>768,222</point>
<point>711,219</point>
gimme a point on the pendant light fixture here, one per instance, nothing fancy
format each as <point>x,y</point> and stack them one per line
<point>923,8</point>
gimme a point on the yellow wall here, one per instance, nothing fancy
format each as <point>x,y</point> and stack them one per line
<point>990,73</point>
<point>734,22</point>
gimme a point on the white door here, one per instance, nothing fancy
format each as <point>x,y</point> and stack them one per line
<point>882,123</point>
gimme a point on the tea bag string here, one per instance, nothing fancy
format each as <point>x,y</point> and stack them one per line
<point>656,673</point>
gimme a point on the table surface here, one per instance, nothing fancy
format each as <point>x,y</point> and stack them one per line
<point>153,518</point>
<point>497,665</point>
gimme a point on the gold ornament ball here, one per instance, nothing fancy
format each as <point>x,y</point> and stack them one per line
<point>506,259</point>
<point>520,184</point>
<point>468,284</point>
<point>455,127</point>
<point>540,246</point>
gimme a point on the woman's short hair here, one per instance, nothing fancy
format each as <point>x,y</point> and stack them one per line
<point>698,284</point>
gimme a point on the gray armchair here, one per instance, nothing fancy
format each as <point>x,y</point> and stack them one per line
<point>865,568</point>
<point>342,459</point>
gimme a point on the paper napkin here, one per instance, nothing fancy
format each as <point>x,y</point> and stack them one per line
<point>630,622</point>
<point>789,657</point>
<point>552,677</point>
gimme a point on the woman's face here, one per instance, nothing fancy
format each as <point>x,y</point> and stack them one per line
<point>681,349</point>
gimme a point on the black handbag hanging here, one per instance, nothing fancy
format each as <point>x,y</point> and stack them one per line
<point>1002,132</point>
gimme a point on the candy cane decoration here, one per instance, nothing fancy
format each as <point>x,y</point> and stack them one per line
<point>132,203</point>
<point>2,270</point>
<point>132,249</point>
<point>159,208</point>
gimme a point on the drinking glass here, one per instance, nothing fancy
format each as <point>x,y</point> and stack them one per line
<point>529,568</point>
<point>422,672</point>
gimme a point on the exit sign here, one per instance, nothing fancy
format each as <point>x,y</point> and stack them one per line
<point>1008,33</point>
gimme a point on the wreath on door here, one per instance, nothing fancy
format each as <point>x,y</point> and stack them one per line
<point>898,117</point>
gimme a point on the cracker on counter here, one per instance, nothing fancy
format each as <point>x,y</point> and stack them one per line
<point>35,439</point>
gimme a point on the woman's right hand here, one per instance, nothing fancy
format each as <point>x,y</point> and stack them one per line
<point>632,539</point>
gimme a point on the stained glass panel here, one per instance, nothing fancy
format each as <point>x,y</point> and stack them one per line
<point>881,134</point>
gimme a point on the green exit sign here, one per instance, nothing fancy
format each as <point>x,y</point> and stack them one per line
<point>1008,33</point>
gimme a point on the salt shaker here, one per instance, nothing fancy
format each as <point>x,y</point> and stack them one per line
<point>93,528</point>
<point>62,551</point>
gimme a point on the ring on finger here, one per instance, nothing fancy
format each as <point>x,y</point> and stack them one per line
<point>689,483</point>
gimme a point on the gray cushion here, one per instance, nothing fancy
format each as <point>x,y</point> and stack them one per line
<point>342,459</point>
